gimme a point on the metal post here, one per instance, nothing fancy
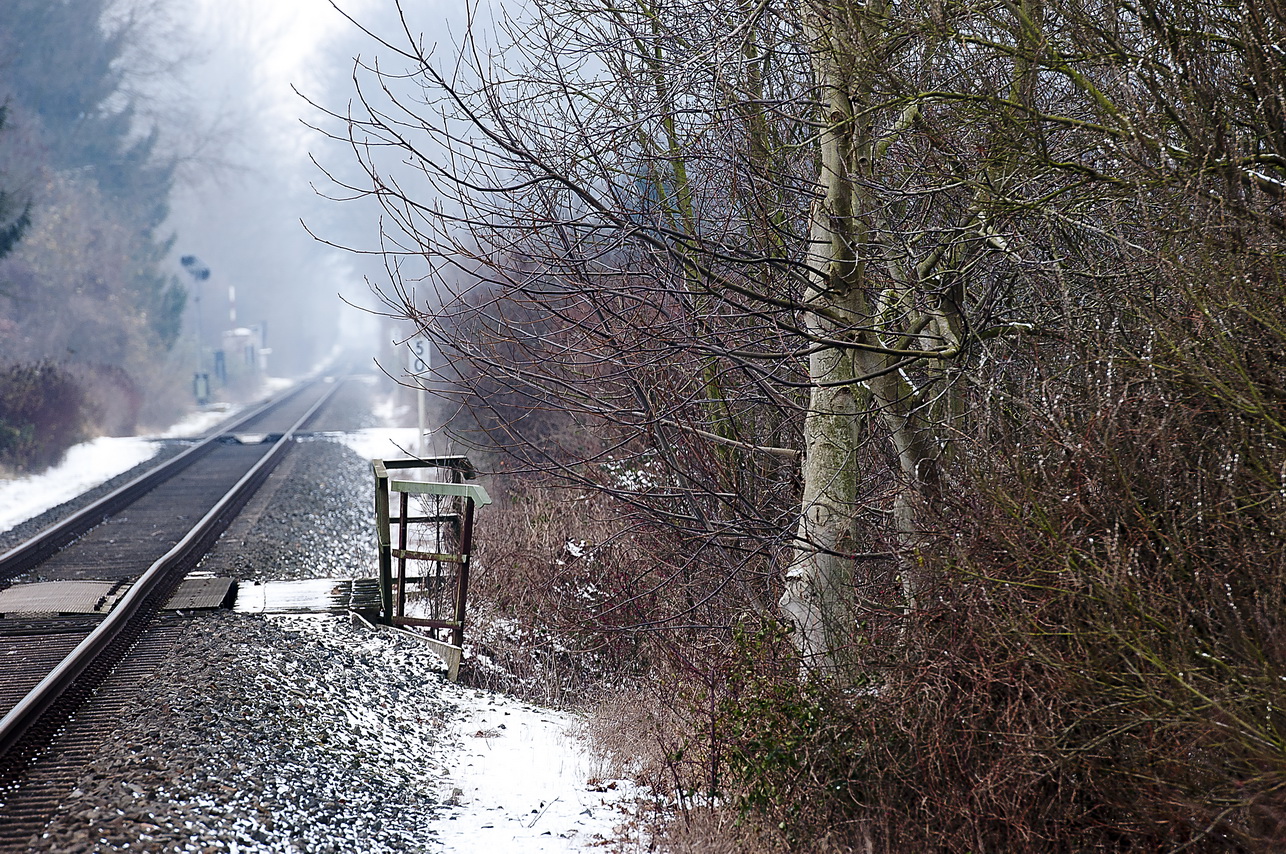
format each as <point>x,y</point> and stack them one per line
<point>462,586</point>
<point>383,537</point>
<point>401,559</point>
<point>200,379</point>
<point>422,437</point>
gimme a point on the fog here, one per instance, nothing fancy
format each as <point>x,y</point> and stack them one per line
<point>251,202</point>
<point>176,198</point>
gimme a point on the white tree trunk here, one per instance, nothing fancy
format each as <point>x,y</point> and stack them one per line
<point>819,595</point>
<point>819,582</point>
<point>818,598</point>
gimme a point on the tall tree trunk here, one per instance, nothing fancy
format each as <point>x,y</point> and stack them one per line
<point>819,595</point>
<point>819,582</point>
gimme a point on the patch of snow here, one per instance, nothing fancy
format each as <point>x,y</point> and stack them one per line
<point>85,466</point>
<point>197,423</point>
<point>382,443</point>
<point>275,385</point>
<point>636,476</point>
<point>389,412</point>
<point>522,781</point>
<point>505,777</point>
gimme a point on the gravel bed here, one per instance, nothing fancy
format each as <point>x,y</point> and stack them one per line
<point>272,734</point>
<point>277,733</point>
<point>313,519</point>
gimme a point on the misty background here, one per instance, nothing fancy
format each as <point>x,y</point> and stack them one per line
<point>139,134</point>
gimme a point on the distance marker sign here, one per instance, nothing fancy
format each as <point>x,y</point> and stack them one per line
<point>417,355</point>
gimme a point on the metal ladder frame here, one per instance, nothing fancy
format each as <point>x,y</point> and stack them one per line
<point>467,497</point>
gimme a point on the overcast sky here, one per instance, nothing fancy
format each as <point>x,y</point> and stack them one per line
<point>251,181</point>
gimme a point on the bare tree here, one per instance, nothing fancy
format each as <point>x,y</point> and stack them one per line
<point>771,254</point>
<point>746,248</point>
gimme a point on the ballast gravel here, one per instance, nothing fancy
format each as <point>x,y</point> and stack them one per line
<point>271,734</point>
<point>313,733</point>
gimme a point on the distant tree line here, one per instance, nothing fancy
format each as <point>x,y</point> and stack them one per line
<point>85,300</point>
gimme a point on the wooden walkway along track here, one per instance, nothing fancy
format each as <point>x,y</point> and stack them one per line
<point>137,544</point>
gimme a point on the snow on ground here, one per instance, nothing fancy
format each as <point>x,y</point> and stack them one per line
<point>99,460</point>
<point>382,443</point>
<point>90,463</point>
<point>85,466</point>
<point>198,422</point>
<point>511,777</point>
<point>523,782</point>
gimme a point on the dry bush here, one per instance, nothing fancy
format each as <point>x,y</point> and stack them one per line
<point>43,412</point>
<point>546,559</point>
<point>113,398</point>
<point>1101,668</point>
<point>717,831</point>
<point>1133,551</point>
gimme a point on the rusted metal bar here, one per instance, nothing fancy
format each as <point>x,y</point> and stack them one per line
<point>441,517</point>
<point>462,585</point>
<point>441,557</point>
<point>382,538</point>
<point>424,622</point>
<point>404,500</point>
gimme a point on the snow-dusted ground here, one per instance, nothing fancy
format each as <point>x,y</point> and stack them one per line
<point>85,466</point>
<point>524,782</point>
<point>90,463</point>
<point>496,775</point>
<point>381,443</point>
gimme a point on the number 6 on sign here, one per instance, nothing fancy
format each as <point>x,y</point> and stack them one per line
<point>417,357</point>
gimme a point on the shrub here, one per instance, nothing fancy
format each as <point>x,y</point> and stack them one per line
<point>43,412</point>
<point>1102,666</point>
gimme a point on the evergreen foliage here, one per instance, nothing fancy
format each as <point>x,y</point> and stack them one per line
<point>83,284</point>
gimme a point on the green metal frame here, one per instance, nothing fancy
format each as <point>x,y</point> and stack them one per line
<point>468,497</point>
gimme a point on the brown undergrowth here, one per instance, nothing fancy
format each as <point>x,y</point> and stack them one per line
<point>1100,666</point>
<point>547,559</point>
<point>44,410</point>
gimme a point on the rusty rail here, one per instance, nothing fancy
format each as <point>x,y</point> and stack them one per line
<point>152,587</point>
<point>41,547</point>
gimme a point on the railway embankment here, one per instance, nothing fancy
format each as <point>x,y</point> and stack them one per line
<point>310,733</point>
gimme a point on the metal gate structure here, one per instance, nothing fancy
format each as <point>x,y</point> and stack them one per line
<point>434,537</point>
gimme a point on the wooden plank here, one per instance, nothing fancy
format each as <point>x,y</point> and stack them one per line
<point>411,554</point>
<point>458,490</point>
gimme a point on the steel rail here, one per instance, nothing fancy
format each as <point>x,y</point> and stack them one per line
<point>151,585</point>
<point>57,536</point>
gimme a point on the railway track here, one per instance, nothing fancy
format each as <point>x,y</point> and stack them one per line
<point>117,562</point>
